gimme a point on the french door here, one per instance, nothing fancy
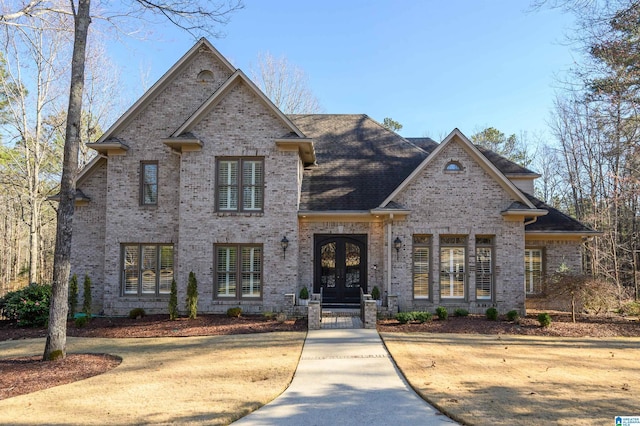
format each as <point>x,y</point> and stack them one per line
<point>340,267</point>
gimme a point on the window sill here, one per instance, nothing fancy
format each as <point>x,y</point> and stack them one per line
<point>243,214</point>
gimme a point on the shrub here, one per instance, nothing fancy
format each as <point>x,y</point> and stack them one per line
<point>136,313</point>
<point>492,314</point>
<point>268,315</point>
<point>29,306</point>
<point>304,293</point>
<point>73,295</point>
<point>192,296</point>
<point>544,319</point>
<point>80,322</point>
<point>375,293</point>
<point>461,312</point>
<point>404,317</point>
<point>513,315</point>
<point>86,301</point>
<point>631,308</point>
<point>422,317</point>
<point>173,301</point>
<point>234,312</point>
<point>442,313</point>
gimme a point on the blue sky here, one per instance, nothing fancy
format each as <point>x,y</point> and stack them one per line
<point>432,65</point>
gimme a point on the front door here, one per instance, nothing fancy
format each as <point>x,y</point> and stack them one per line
<point>340,267</point>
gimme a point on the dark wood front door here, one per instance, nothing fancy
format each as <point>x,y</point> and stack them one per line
<point>340,267</point>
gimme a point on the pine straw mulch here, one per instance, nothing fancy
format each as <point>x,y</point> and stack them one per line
<point>24,375</point>
<point>20,376</point>
<point>561,326</point>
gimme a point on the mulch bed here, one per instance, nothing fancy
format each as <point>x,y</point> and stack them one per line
<point>160,326</point>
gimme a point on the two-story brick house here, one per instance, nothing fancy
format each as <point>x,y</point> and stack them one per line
<point>204,174</point>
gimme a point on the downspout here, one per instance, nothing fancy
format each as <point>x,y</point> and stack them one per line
<point>389,252</point>
<point>535,218</point>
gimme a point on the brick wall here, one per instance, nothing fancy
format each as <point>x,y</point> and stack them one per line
<point>466,203</point>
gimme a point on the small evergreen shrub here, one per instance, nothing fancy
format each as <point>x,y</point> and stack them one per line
<point>375,293</point>
<point>136,313</point>
<point>544,319</point>
<point>192,296</point>
<point>173,301</point>
<point>513,315</point>
<point>268,315</point>
<point>492,314</point>
<point>461,312</point>
<point>80,322</point>
<point>304,293</point>
<point>29,306</point>
<point>404,317</point>
<point>86,301</point>
<point>422,317</point>
<point>442,313</point>
<point>73,296</point>
<point>234,312</point>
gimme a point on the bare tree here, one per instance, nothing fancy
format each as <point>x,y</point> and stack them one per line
<point>192,16</point>
<point>285,84</point>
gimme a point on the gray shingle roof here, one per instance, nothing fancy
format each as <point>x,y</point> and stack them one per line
<point>359,162</point>
<point>555,220</point>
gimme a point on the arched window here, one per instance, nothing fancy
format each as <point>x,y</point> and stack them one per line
<point>453,166</point>
<point>205,76</point>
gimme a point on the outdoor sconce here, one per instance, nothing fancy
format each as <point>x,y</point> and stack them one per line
<point>284,243</point>
<point>397,243</point>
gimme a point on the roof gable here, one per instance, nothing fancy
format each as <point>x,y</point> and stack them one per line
<point>238,77</point>
<point>474,152</point>
<point>158,87</point>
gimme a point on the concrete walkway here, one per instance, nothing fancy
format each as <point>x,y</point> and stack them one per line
<point>346,377</point>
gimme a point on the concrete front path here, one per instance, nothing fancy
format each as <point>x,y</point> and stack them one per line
<point>346,377</point>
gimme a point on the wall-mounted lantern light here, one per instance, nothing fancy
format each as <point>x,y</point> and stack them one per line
<point>284,243</point>
<point>397,244</point>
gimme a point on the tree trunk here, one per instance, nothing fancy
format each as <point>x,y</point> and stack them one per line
<point>55,346</point>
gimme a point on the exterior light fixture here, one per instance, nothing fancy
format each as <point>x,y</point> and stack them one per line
<point>284,243</point>
<point>397,243</point>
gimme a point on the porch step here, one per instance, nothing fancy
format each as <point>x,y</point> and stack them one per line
<point>340,312</point>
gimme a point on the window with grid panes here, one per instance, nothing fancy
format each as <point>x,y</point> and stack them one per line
<point>148,183</point>
<point>484,268</point>
<point>533,271</point>
<point>452,267</point>
<point>421,263</point>
<point>147,269</point>
<point>240,184</point>
<point>238,271</point>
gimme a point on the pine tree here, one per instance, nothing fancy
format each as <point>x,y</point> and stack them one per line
<point>173,301</point>
<point>192,296</point>
<point>73,295</point>
<point>86,303</point>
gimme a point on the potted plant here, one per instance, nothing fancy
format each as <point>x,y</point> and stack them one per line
<point>303,297</point>
<point>375,295</point>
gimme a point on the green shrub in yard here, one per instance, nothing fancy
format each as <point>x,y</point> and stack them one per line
<point>442,313</point>
<point>136,313</point>
<point>513,315</point>
<point>173,300</point>
<point>461,312</point>
<point>73,296</point>
<point>86,301</point>
<point>492,314</point>
<point>544,319</point>
<point>80,322</point>
<point>422,317</point>
<point>404,317</point>
<point>192,296</point>
<point>234,312</point>
<point>29,306</point>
